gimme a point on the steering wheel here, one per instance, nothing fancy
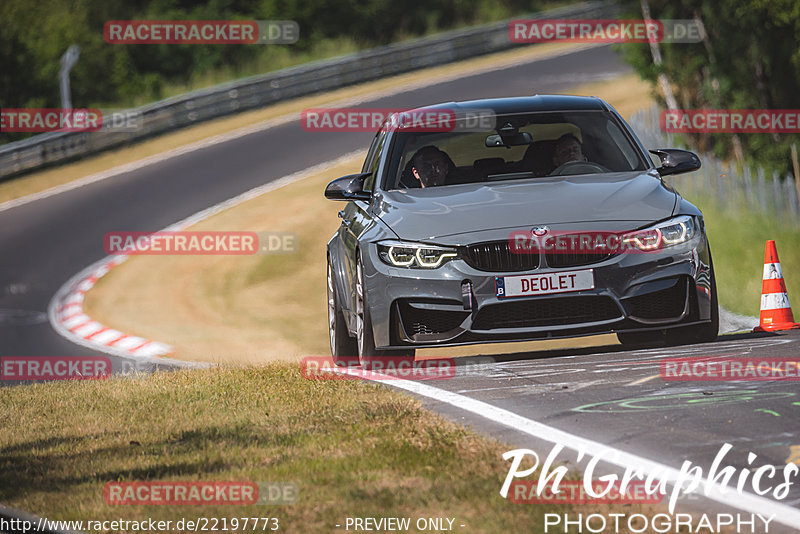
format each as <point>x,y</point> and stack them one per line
<point>578,167</point>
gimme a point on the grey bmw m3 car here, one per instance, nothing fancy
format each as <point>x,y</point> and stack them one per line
<point>515,219</point>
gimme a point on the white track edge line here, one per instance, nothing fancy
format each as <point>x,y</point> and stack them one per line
<point>783,513</point>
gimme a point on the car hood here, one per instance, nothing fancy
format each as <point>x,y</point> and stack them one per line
<point>598,201</point>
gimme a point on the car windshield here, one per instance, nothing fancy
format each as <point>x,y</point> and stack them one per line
<point>512,147</point>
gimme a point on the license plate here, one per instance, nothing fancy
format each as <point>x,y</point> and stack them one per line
<point>544,284</point>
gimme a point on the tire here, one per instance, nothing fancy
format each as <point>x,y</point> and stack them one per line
<point>365,340</point>
<point>343,347</point>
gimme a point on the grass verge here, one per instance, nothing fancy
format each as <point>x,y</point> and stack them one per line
<point>352,448</point>
<point>738,239</point>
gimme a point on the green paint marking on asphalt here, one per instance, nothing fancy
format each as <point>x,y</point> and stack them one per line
<point>680,400</point>
<point>776,414</point>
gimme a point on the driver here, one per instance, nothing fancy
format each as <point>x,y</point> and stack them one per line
<point>430,166</point>
<point>567,149</point>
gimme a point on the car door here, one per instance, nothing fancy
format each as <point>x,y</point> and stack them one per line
<point>356,218</point>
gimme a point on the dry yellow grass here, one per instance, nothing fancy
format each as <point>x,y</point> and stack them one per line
<point>244,309</point>
<point>253,309</point>
<point>628,94</point>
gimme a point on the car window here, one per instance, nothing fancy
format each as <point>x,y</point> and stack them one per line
<point>371,153</point>
<point>627,150</point>
<point>602,146</point>
<point>373,162</point>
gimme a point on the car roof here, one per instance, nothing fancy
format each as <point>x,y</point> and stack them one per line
<point>527,104</point>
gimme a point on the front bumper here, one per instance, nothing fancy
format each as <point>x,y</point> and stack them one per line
<point>428,308</point>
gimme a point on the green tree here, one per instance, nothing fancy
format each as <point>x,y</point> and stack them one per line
<point>750,59</point>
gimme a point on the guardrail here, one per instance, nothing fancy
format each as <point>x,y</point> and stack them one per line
<point>262,90</point>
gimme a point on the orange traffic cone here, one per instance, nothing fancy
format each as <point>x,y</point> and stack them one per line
<point>776,313</point>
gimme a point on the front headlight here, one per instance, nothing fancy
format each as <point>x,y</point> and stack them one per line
<point>666,234</point>
<point>414,255</point>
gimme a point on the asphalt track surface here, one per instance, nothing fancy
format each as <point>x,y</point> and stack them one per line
<point>617,397</point>
<point>610,395</point>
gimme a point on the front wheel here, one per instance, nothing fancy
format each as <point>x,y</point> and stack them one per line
<point>343,347</point>
<point>367,353</point>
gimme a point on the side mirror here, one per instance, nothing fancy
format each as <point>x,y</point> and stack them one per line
<point>675,161</point>
<point>348,187</point>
